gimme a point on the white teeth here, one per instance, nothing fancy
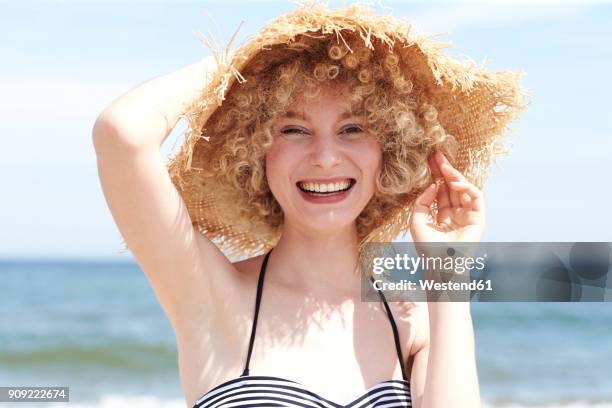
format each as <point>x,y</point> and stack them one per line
<point>326,188</point>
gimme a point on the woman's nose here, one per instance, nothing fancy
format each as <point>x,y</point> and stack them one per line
<point>325,151</point>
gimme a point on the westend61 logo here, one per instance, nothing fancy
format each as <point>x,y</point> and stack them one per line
<point>488,271</point>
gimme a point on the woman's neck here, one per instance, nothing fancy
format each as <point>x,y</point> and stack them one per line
<point>324,265</point>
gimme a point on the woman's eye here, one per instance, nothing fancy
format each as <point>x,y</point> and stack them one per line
<point>289,131</point>
<point>353,130</point>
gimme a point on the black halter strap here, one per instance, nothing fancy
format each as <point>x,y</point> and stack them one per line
<point>398,346</point>
<point>262,273</point>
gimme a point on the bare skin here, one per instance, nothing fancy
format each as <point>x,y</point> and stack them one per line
<point>313,328</point>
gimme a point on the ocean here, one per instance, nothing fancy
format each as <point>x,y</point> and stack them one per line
<point>96,327</point>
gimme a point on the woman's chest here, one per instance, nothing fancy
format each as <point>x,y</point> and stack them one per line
<point>336,353</point>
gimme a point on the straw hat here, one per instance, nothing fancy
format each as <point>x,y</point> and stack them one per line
<point>473,104</point>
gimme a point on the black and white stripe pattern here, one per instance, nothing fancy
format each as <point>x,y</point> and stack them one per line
<point>267,391</point>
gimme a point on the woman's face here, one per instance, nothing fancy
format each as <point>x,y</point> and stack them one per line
<point>322,164</point>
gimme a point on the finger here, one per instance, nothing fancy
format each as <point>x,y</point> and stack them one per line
<point>464,216</point>
<point>476,197</point>
<point>435,167</point>
<point>421,210</point>
<point>458,216</point>
<point>443,197</point>
<point>444,204</point>
<point>448,170</point>
<point>466,200</point>
<point>450,176</point>
<point>445,216</point>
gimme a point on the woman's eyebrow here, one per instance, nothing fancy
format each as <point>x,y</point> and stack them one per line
<point>296,115</point>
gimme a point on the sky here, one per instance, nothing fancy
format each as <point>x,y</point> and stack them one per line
<point>63,61</point>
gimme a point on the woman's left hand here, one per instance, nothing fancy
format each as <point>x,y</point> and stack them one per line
<point>461,214</point>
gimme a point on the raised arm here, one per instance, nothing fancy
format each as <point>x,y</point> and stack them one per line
<point>147,208</point>
<point>444,371</point>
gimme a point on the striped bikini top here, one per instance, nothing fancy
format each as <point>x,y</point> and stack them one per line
<point>269,391</point>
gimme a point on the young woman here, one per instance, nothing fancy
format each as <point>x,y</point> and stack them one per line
<point>317,148</point>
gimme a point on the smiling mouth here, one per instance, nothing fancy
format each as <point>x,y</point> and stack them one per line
<point>325,189</point>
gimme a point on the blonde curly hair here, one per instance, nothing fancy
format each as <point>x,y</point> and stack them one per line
<point>397,111</point>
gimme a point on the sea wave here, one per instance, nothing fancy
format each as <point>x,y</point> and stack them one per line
<point>126,355</point>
